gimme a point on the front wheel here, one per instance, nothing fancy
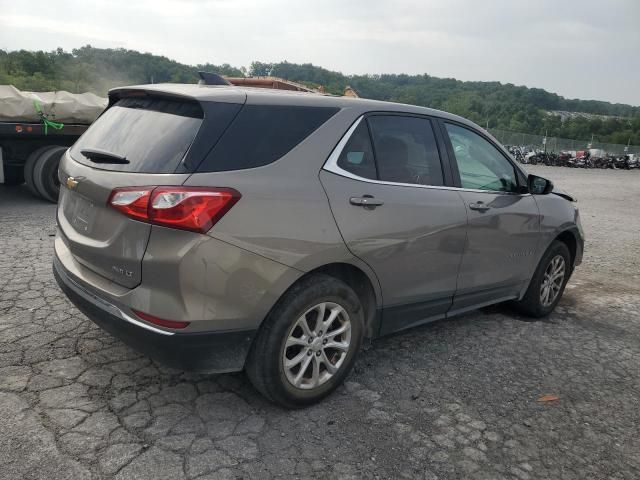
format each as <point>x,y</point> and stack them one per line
<point>548,282</point>
<point>308,343</point>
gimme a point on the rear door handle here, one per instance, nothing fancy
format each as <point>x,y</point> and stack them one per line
<point>367,201</point>
<point>480,206</point>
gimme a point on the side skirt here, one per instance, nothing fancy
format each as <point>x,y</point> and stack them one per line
<point>401,317</point>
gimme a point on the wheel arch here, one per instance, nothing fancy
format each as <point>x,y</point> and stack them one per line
<point>568,237</point>
<point>361,283</point>
<point>571,238</point>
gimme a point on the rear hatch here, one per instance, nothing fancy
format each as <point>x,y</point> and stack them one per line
<point>142,139</point>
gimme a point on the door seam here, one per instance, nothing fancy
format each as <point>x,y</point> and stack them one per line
<point>346,245</point>
<point>464,252</point>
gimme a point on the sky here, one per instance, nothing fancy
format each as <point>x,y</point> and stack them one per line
<point>583,49</point>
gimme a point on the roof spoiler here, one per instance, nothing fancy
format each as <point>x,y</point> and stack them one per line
<point>209,78</point>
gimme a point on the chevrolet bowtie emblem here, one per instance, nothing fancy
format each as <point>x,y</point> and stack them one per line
<point>71,183</point>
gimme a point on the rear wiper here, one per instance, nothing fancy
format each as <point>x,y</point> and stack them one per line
<point>103,156</point>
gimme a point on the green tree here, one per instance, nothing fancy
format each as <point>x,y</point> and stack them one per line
<point>505,106</point>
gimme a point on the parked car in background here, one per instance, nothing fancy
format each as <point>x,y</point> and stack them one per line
<point>218,229</point>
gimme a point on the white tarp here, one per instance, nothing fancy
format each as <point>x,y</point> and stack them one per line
<point>61,106</point>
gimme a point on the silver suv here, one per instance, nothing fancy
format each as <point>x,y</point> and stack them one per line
<point>218,229</point>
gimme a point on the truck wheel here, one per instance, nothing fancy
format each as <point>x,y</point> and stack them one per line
<point>45,174</point>
<point>30,164</point>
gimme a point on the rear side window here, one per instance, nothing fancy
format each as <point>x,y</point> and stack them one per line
<point>406,150</point>
<point>261,134</point>
<point>152,134</point>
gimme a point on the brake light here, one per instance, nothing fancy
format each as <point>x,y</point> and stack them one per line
<point>161,321</point>
<point>187,208</point>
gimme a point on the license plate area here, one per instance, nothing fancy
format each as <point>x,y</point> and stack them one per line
<point>80,213</point>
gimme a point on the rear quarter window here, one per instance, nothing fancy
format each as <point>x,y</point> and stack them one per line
<point>261,134</point>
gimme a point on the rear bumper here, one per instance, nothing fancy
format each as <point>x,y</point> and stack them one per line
<point>211,352</point>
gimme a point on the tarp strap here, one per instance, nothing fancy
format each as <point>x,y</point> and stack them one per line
<point>45,121</point>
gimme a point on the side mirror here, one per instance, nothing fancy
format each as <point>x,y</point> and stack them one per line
<point>538,185</point>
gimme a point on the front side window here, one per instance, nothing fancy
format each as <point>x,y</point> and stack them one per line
<point>481,165</point>
<point>405,150</point>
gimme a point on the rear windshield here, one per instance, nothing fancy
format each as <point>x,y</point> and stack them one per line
<point>152,134</point>
<point>261,134</point>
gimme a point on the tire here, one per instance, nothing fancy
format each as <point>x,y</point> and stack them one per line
<point>265,364</point>
<point>30,164</point>
<point>532,304</point>
<point>45,173</point>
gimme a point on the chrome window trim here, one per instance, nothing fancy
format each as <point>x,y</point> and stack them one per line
<point>331,165</point>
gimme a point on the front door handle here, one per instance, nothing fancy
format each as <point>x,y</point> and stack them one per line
<point>480,206</point>
<point>366,201</point>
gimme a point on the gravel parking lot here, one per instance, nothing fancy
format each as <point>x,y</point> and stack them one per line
<point>453,399</point>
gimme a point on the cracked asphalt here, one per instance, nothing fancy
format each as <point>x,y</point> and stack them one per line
<point>453,399</point>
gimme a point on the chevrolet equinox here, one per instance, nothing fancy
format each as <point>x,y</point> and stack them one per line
<point>219,229</point>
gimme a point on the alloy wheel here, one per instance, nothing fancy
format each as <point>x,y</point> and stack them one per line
<point>552,280</point>
<point>317,345</point>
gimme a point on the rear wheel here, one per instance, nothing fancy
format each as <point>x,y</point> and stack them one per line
<point>308,343</point>
<point>45,173</point>
<point>548,282</point>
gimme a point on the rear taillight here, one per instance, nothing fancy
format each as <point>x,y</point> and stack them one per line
<point>188,208</point>
<point>133,202</point>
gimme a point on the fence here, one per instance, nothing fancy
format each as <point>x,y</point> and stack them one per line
<point>555,144</point>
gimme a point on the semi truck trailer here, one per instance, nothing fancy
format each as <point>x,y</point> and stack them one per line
<point>36,129</point>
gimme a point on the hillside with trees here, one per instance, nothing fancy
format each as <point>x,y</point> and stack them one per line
<point>495,104</point>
